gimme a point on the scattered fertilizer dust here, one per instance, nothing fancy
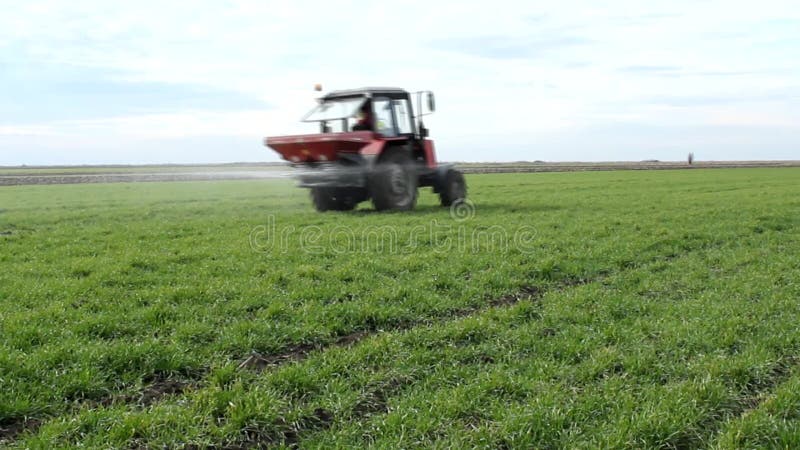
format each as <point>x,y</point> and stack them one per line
<point>126,174</point>
<point>141,176</point>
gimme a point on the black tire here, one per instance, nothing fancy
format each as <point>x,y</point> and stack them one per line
<point>453,188</point>
<point>393,182</point>
<point>332,199</point>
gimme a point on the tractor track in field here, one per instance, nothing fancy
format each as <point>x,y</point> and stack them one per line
<point>299,352</point>
<point>11,429</point>
<point>164,387</point>
<point>750,399</point>
<point>375,399</point>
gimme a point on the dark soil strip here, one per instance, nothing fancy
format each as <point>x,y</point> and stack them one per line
<point>297,353</point>
<point>158,388</point>
<point>373,401</point>
<point>156,391</point>
<point>285,433</point>
<point>10,430</point>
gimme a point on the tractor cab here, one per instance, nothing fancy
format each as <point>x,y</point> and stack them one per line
<point>386,111</point>
<point>371,144</point>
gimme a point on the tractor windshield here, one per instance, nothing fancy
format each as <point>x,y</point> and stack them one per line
<point>335,109</point>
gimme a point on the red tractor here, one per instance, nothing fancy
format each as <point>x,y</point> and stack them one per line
<point>370,145</point>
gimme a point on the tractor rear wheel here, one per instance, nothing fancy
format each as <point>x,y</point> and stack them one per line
<point>393,183</point>
<point>332,199</point>
<point>453,188</point>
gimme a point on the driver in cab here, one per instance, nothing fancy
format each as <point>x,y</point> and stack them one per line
<point>365,121</point>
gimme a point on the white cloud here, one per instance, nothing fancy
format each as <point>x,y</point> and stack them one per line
<point>507,68</point>
<point>153,126</point>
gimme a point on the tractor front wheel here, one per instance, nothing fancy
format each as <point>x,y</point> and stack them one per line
<point>453,188</point>
<point>393,183</point>
<point>332,199</point>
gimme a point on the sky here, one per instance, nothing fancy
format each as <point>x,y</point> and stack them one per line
<point>100,82</point>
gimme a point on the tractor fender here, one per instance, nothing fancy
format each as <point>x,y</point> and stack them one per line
<point>373,149</point>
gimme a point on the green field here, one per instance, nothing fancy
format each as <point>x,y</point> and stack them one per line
<point>567,310</point>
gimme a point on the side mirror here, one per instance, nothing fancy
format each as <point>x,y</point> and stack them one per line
<point>431,102</point>
<point>424,132</point>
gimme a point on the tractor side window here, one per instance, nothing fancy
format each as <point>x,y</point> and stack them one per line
<point>334,126</point>
<point>384,123</point>
<point>403,117</point>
